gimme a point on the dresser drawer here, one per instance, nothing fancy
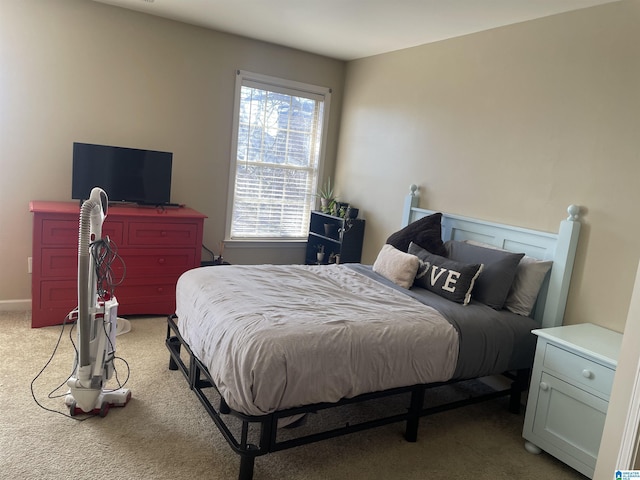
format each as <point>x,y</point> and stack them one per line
<point>579,370</point>
<point>154,295</point>
<point>144,262</point>
<point>59,262</point>
<point>59,294</point>
<point>164,234</point>
<point>65,232</point>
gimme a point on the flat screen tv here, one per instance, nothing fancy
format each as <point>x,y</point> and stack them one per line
<point>126,174</point>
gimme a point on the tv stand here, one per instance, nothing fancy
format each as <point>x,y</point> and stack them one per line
<point>157,245</point>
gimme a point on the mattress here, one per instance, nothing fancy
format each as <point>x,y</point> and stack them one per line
<point>276,337</point>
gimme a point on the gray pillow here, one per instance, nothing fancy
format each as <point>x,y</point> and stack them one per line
<point>493,285</point>
<point>526,285</point>
<point>529,277</point>
<point>447,278</point>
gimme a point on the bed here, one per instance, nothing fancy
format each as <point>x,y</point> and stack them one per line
<point>265,346</point>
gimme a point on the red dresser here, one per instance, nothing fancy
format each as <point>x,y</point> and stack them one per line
<point>156,245</point>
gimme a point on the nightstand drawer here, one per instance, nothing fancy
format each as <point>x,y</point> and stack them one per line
<point>578,369</point>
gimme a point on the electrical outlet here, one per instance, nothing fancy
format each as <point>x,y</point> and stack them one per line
<point>29,264</point>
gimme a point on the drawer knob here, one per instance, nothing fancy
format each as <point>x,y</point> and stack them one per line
<point>544,386</point>
<point>587,373</point>
<point>163,233</point>
<point>160,289</point>
<point>161,261</point>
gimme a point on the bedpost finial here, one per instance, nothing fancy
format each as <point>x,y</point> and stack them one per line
<point>414,188</point>
<point>574,212</point>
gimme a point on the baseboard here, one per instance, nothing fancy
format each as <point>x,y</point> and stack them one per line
<point>15,305</point>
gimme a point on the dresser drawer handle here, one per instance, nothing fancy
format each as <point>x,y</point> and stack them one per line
<point>587,373</point>
<point>163,233</point>
<point>544,386</point>
<point>161,261</point>
<point>160,290</point>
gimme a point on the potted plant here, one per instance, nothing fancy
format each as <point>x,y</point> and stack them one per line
<point>327,197</point>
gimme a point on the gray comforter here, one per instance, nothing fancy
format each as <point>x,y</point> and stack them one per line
<point>491,341</point>
<point>276,337</point>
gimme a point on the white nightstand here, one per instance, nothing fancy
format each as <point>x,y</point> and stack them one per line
<point>569,394</point>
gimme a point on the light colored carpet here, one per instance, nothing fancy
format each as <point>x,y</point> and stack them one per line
<point>164,432</point>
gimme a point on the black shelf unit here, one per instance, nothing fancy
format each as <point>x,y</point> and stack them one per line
<point>339,236</point>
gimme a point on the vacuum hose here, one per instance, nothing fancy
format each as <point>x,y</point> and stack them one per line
<point>92,214</point>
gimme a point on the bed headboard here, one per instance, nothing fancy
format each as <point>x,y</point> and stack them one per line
<point>559,247</point>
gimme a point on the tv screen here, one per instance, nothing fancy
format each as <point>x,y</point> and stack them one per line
<point>126,174</point>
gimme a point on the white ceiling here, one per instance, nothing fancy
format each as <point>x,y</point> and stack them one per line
<point>350,29</point>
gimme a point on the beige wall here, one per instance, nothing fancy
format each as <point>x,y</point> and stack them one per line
<point>76,70</point>
<point>510,125</point>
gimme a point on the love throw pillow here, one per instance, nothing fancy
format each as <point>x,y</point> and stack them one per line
<point>447,278</point>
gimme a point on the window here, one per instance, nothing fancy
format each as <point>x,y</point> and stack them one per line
<point>277,151</point>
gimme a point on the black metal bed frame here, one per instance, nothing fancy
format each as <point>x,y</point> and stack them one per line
<point>258,435</point>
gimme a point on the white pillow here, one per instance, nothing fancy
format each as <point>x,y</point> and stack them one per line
<point>397,266</point>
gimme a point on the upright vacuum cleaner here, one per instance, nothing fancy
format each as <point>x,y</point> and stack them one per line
<point>97,317</point>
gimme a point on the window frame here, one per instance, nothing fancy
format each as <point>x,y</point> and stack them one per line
<point>256,80</point>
